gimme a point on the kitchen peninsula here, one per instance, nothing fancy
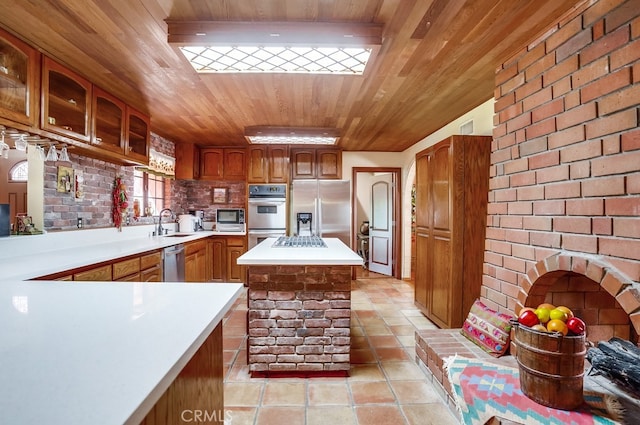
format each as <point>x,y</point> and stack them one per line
<point>299,306</point>
<point>107,352</point>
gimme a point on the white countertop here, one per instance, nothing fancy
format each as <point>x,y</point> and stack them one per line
<point>336,253</point>
<point>99,353</point>
<point>28,257</point>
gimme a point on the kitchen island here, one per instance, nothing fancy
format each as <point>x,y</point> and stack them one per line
<point>105,353</point>
<point>299,308</point>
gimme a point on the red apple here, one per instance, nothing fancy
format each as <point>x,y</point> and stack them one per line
<point>576,326</point>
<point>528,318</point>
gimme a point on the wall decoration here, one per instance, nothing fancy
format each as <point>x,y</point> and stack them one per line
<point>120,203</point>
<point>65,179</point>
<point>219,195</point>
<point>79,180</point>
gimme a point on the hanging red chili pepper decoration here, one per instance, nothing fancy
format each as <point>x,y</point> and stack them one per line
<point>120,204</point>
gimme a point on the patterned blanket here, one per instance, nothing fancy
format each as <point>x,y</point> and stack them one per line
<point>483,390</point>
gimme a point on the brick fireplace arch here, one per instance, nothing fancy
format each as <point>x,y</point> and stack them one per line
<point>607,301</point>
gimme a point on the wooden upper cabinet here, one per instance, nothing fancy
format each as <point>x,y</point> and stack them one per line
<point>257,167</point>
<point>19,80</point>
<point>235,167</point>
<point>268,164</point>
<point>223,164</point>
<point>138,135</point>
<point>278,164</point>
<point>329,163</point>
<point>211,164</point>
<point>108,121</point>
<point>303,163</point>
<point>316,163</point>
<point>187,161</point>
<point>66,101</point>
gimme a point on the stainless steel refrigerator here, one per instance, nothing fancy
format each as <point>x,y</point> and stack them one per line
<point>329,202</point>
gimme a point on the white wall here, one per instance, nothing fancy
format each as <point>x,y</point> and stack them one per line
<point>482,117</point>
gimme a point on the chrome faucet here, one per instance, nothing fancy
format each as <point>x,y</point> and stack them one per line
<point>160,229</point>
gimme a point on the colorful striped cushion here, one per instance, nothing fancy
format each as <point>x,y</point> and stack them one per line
<point>488,329</point>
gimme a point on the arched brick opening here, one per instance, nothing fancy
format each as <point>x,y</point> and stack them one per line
<point>607,301</point>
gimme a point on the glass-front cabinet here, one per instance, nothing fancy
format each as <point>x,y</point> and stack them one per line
<point>108,121</point>
<point>19,72</point>
<point>138,135</point>
<point>66,101</point>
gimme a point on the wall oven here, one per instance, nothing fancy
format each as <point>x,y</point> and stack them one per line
<point>267,212</point>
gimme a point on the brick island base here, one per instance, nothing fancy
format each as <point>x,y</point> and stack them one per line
<point>299,320</point>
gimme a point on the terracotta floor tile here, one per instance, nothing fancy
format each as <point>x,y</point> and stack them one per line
<point>404,371</point>
<point>341,415</point>
<point>243,394</point>
<point>408,341</point>
<point>408,392</point>
<point>362,355</point>
<point>389,341</point>
<point>278,393</point>
<point>429,414</point>
<point>271,415</point>
<point>397,321</point>
<point>367,314</point>
<point>324,393</point>
<point>388,354</point>
<point>371,392</point>
<point>240,415</point>
<point>378,330</point>
<point>403,330</point>
<point>232,342</point>
<point>366,372</point>
<point>379,415</point>
<point>359,342</point>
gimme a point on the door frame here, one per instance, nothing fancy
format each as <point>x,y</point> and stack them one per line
<point>397,216</point>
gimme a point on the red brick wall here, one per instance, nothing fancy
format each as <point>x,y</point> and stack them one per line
<point>565,165</point>
<point>61,210</point>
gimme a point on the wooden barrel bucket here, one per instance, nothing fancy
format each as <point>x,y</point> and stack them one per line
<point>551,367</point>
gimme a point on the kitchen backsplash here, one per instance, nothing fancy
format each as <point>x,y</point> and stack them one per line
<point>62,209</point>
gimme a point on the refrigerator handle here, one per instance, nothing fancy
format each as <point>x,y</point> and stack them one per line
<point>318,220</point>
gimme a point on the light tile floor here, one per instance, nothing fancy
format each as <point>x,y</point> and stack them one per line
<point>385,385</point>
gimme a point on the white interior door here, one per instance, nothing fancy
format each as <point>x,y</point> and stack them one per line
<point>381,226</point>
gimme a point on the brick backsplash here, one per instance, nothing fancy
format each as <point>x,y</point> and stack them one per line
<point>565,170</point>
<point>62,210</point>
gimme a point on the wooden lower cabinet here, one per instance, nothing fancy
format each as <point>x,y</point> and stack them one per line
<point>235,248</point>
<point>195,261</point>
<point>216,259</point>
<point>145,267</point>
<point>153,274</point>
<point>102,273</point>
<point>222,255</point>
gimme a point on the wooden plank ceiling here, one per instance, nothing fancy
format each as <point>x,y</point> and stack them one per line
<point>437,61</point>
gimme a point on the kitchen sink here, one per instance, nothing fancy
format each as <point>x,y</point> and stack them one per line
<point>176,236</point>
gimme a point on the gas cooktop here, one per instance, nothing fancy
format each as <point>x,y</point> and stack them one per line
<point>299,242</point>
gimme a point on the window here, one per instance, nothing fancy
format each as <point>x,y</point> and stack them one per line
<point>148,190</point>
<point>19,172</point>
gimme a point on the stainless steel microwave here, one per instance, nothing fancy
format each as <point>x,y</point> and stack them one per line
<point>230,216</point>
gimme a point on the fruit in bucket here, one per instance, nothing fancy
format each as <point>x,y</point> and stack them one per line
<point>547,306</point>
<point>539,327</point>
<point>557,325</point>
<point>543,314</point>
<point>576,326</point>
<point>567,310</point>
<point>528,318</point>
<point>557,314</point>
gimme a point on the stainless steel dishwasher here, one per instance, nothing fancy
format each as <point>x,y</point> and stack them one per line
<point>173,263</point>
